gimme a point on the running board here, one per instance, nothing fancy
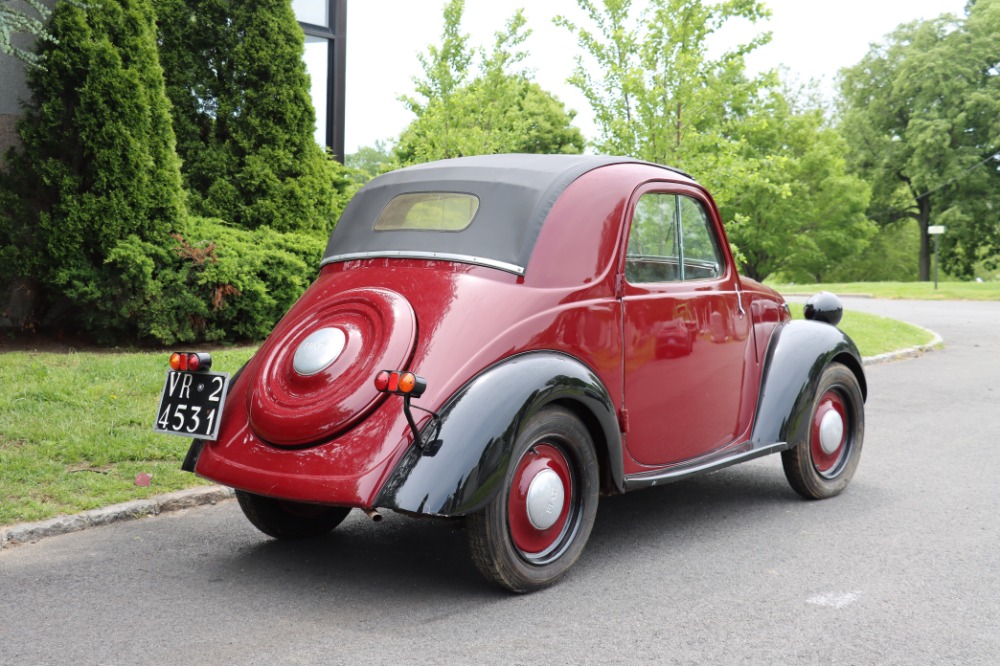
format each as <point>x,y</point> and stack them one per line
<point>648,479</point>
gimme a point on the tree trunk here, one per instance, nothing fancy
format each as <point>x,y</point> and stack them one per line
<point>924,220</point>
<point>20,305</point>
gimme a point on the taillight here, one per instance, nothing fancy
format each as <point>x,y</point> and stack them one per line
<point>190,361</point>
<point>409,386</point>
<point>400,383</point>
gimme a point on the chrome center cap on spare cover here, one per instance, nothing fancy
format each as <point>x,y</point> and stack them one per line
<point>318,351</point>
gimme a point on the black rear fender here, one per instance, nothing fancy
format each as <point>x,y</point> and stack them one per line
<point>467,447</point>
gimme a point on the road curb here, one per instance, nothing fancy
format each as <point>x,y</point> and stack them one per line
<point>936,342</point>
<point>21,533</point>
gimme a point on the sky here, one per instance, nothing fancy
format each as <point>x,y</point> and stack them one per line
<point>814,39</point>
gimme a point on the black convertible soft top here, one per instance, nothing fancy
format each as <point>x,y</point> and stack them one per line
<point>515,195</point>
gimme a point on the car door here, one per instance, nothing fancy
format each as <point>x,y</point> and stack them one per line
<point>685,330</point>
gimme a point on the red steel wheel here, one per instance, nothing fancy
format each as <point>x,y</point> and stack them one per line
<point>537,505</point>
<point>829,437</point>
<point>823,465</point>
<point>536,526</point>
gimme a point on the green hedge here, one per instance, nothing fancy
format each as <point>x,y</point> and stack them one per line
<point>215,282</point>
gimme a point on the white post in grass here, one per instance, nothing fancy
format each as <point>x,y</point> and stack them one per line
<point>936,230</point>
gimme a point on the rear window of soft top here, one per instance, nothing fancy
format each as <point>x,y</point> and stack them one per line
<point>428,211</point>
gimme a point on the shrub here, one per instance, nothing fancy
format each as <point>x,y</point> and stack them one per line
<point>217,282</point>
<point>97,165</point>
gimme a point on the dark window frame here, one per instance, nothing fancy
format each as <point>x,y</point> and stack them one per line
<point>336,98</point>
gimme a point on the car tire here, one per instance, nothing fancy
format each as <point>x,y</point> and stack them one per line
<point>536,527</point>
<point>287,520</point>
<point>823,464</point>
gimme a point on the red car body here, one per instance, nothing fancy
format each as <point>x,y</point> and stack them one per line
<point>666,377</point>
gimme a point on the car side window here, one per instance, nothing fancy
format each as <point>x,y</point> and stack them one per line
<point>671,239</point>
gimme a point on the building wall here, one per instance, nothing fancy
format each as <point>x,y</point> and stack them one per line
<point>13,89</point>
<point>13,84</point>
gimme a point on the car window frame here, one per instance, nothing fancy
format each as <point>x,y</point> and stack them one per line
<point>713,224</point>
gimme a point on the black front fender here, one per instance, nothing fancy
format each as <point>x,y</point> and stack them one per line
<point>797,355</point>
<point>467,447</point>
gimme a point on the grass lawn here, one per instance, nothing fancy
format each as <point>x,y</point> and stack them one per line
<point>876,335</point>
<point>76,428</point>
<point>920,291</point>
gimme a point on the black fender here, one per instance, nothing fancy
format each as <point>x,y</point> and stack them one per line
<point>467,447</point>
<point>797,355</point>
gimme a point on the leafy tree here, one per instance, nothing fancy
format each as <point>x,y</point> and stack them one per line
<point>244,117</point>
<point>659,95</point>
<point>14,21</point>
<point>792,206</point>
<point>500,110</point>
<point>775,171</point>
<point>921,113</point>
<point>97,165</point>
<point>887,258</point>
<point>370,161</point>
<point>446,67</point>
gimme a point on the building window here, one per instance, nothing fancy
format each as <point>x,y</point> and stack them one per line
<point>324,23</point>
<point>317,58</point>
<point>316,12</point>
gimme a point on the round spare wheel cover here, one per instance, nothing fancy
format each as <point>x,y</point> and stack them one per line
<point>348,339</point>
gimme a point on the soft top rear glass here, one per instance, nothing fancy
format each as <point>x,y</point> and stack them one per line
<point>428,211</point>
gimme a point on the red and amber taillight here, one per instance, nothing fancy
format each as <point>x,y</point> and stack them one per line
<point>407,385</point>
<point>400,383</point>
<point>191,361</point>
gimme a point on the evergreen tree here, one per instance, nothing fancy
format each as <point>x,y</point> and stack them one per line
<point>97,166</point>
<point>244,117</point>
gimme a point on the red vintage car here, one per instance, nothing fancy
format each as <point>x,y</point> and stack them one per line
<point>506,338</point>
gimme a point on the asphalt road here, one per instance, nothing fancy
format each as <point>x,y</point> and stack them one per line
<point>730,568</point>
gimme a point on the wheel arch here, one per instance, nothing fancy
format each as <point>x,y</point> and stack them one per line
<point>798,353</point>
<point>611,473</point>
<point>855,365</point>
<point>469,443</point>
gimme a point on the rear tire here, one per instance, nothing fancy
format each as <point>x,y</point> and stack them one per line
<point>823,464</point>
<point>534,530</point>
<point>283,519</point>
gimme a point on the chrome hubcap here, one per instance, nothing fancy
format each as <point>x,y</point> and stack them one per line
<point>831,431</point>
<point>545,499</point>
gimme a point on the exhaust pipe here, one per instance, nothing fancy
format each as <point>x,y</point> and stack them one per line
<point>374,515</point>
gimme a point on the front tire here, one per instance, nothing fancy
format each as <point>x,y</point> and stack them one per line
<point>286,520</point>
<point>823,464</point>
<point>534,530</point>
